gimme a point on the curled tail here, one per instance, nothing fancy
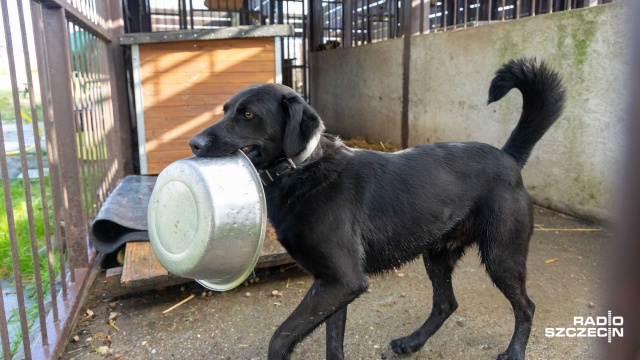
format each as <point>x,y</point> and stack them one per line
<point>543,102</point>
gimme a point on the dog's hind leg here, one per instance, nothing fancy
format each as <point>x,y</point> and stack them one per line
<point>335,334</point>
<point>504,255</point>
<point>439,268</point>
<point>323,300</point>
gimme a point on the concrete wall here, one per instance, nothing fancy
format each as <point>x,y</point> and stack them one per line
<point>358,91</point>
<point>573,168</point>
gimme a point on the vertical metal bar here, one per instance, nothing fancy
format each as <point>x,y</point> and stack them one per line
<point>466,8</point>
<point>444,15</point>
<point>80,128</point>
<point>490,10</point>
<point>190,14</point>
<point>517,9</point>
<point>624,288</point>
<point>533,7</point>
<point>406,69</point>
<point>422,16</point>
<point>105,121</point>
<point>101,116</point>
<point>550,6</point>
<point>278,52</point>
<point>477,11</point>
<point>137,90</point>
<point>455,14</point>
<point>38,153</point>
<point>118,137</point>
<point>428,18</point>
<point>17,273</point>
<point>4,330</point>
<point>47,112</point>
<point>89,176</point>
<point>347,20</point>
<point>503,10</point>
<point>95,121</point>
<point>59,65</point>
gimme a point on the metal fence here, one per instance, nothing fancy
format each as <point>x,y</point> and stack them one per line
<point>359,22</point>
<point>63,53</point>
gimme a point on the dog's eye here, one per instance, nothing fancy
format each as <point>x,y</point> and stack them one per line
<point>248,115</point>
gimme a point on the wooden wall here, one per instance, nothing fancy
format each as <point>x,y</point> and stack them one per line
<point>185,84</point>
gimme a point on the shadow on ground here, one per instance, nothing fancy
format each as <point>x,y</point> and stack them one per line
<point>238,324</point>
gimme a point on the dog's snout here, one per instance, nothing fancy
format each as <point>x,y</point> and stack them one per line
<point>197,144</point>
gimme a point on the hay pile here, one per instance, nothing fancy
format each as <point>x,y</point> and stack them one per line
<point>361,143</point>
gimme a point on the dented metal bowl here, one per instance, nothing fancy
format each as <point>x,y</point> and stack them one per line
<point>207,219</point>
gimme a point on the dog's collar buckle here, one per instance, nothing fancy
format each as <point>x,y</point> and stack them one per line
<point>281,169</point>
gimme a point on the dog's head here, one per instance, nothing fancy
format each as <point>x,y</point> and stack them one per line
<point>266,121</point>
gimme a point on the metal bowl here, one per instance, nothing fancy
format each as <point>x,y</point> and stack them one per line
<point>207,219</point>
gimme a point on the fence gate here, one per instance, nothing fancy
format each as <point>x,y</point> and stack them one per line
<point>64,145</point>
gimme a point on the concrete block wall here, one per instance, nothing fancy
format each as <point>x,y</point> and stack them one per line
<point>357,91</point>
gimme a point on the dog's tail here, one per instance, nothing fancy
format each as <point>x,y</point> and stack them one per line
<point>543,102</point>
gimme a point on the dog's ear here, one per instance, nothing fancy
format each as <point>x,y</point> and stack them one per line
<point>302,123</point>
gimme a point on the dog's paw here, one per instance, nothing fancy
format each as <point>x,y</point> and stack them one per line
<point>406,345</point>
<point>509,356</point>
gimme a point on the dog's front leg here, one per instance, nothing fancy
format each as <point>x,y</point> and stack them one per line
<point>335,334</point>
<point>322,301</point>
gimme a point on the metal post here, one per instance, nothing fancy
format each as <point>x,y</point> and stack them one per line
<point>119,138</point>
<point>406,63</point>
<point>59,65</point>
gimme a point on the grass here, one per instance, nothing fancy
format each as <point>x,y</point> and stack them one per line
<point>23,237</point>
<point>6,106</point>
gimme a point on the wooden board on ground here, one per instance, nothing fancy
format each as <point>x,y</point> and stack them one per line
<point>142,270</point>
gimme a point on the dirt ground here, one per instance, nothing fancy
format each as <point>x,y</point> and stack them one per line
<point>565,279</point>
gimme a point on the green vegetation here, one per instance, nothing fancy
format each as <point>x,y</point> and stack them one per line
<point>6,106</point>
<point>23,238</point>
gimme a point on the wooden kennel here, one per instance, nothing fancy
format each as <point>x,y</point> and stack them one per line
<point>183,78</point>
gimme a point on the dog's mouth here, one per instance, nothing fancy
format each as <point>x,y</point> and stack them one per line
<point>250,150</point>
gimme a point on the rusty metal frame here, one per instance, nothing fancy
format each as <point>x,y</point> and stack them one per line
<point>75,14</point>
<point>109,150</point>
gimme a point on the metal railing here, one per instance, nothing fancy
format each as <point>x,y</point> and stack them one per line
<point>62,50</point>
<point>359,22</point>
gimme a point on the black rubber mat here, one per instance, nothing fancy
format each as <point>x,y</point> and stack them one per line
<point>123,216</point>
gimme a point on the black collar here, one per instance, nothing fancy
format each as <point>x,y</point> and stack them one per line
<point>279,170</point>
<point>286,166</point>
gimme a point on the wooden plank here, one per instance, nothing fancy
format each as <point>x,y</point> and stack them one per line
<point>176,123</point>
<point>237,74</point>
<point>206,67</point>
<point>172,134</point>
<point>169,155</point>
<point>207,45</point>
<point>263,53</point>
<point>228,89</point>
<point>142,269</point>
<point>160,136</point>
<point>140,264</point>
<point>155,100</point>
<point>117,288</point>
<point>159,145</point>
<point>155,169</point>
<point>184,111</point>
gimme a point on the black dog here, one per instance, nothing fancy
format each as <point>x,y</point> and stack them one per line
<point>344,213</point>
